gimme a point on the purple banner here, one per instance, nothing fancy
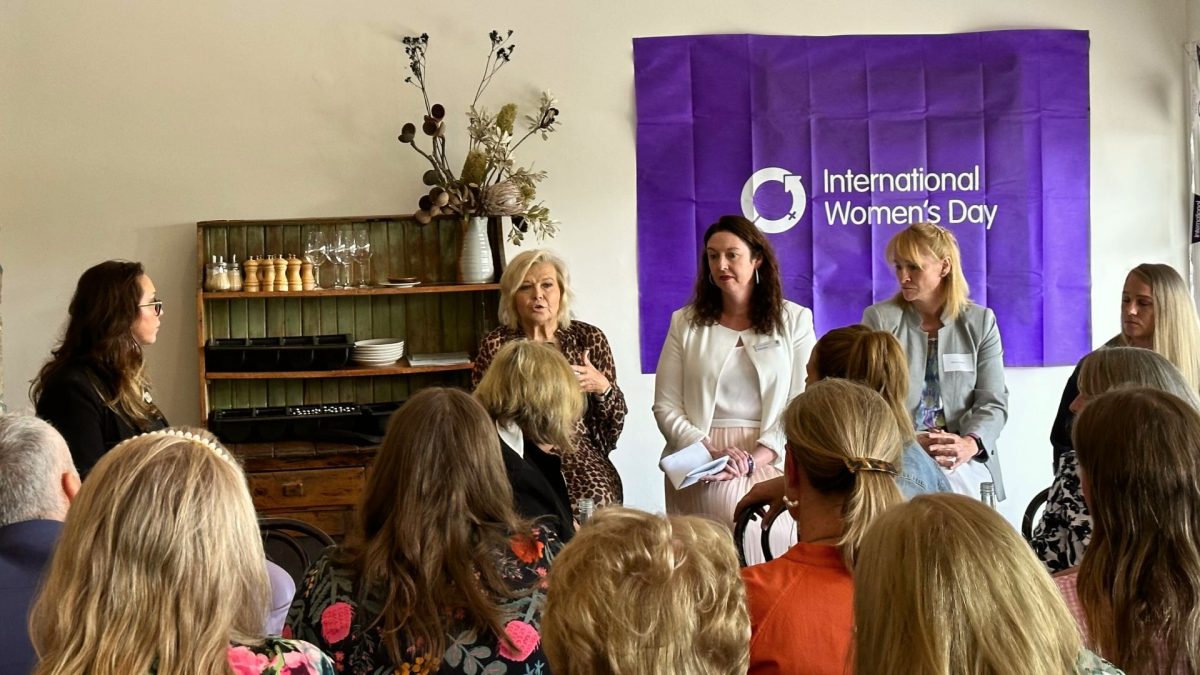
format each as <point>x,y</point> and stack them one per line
<point>833,144</point>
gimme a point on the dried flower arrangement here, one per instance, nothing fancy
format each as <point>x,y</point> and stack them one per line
<point>490,182</point>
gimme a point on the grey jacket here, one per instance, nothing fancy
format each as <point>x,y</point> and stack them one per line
<point>974,396</point>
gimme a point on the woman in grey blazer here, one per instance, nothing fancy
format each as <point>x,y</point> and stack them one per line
<point>956,394</point>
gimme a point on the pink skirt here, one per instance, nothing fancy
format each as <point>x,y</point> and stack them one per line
<point>717,500</point>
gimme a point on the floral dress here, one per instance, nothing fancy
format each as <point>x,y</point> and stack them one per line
<point>1063,533</point>
<point>329,612</point>
<point>588,471</point>
<point>276,656</point>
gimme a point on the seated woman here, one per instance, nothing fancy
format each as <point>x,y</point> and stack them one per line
<point>1063,533</point>
<point>441,576</point>
<point>842,451</point>
<point>531,393</point>
<point>945,586</point>
<point>643,594</point>
<point>160,569</point>
<point>1136,595</point>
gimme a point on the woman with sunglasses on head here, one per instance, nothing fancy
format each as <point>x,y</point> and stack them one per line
<point>94,388</point>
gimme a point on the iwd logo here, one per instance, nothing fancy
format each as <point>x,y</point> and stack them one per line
<point>792,184</point>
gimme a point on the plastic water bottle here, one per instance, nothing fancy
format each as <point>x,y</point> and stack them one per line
<point>586,508</point>
<point>987,493</point>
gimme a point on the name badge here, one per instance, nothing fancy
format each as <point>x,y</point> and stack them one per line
<point>958,363</point>
<point>765,346</point>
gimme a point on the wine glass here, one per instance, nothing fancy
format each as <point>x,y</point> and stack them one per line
<point>362,255</point>
<point>316,252</point>
<point>342,252</point>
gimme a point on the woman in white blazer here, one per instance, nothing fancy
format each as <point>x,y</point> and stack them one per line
<point>956,390</point>
<point>732,361</point>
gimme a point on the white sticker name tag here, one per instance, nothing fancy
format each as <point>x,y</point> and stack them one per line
<point>766,345</point>
<point>958,363</point>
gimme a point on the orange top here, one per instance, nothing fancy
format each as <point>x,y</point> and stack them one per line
<point>801,612</point>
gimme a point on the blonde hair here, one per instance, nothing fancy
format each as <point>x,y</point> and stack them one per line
<point>873,358</point>
<point>532,385</point>
<point>831,429</point>
<point>159,564</point>
<point>514,275</point>
<point>641,594</point>
<point>1111,367</point>
<point>916,241</point>
<point>1176,326</point>
<point>1139,581</point>
<point>945,585</point>
<point>434,514</point>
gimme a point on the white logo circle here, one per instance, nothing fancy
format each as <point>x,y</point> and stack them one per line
<point>792,184</point>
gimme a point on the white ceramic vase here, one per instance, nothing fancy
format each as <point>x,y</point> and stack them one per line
<point>475,254</point>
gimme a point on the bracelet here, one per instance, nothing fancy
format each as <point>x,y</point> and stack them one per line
<point>607,392</point>
<point>750,460</point>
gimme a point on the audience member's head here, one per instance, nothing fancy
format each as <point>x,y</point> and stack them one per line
<point>37,477</point>
<point>435,510</point>
<point>945,585</point>
<point>1139,582</point>
<point>532,385</point>
<point>641,594</point>
<point>843,453</point>
<point>870,357</point>
<point>1159,313</point>
<point>1112,367</point>
<point>159,565</point>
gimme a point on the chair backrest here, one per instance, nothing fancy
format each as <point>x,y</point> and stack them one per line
<point>741,523</point>
<point>1031,513</point>
<point>292,544</point>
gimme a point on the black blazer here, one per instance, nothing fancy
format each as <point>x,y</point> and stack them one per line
<point>71,402</point>
<point>539,489</point>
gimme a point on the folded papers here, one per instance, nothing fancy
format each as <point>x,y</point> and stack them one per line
<point>686,467</point>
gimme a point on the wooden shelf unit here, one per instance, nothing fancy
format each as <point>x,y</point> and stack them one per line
<point>320,482</point>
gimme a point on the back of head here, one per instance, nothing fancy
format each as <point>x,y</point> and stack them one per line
<point>916,241</point>
<point>1112,367</point>
<point>99,335</point>
<point>843,436</point>
<point>945,585</point>
<point>160,563</point>
<point>873,358</point>
<point>640,594</point>
<point>1139,582</point>
<point>1176,326</point>
<point>33,459</point>
<point>436,509</point>
<point>533,386</point>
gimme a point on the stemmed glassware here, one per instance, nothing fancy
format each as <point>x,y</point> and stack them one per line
<point>342,253</point>
<point>316,252</point>
<point>362,255</point>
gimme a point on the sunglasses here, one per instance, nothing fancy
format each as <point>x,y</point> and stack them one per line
<point>157,305</point>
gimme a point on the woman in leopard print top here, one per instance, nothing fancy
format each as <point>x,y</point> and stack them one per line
<point>535,299</point>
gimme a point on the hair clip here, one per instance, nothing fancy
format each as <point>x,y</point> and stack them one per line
<point>856,464</point>
<point>194,438</point>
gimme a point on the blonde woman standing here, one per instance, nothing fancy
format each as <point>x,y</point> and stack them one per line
<point>843,453</point>
<point>956,394</point>
<point>733,359</point>
<point>944,586</point>
<point>160,569</point>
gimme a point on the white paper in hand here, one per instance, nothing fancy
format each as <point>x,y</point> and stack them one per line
<point>687,466</point>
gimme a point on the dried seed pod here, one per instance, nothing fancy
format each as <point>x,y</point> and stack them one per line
<point>439,196</point>
<point>422,217</point>
<point>430,126</point>
<point>430,177</point>
<point>435,211</point>
<point>437,111</point>
<point>425,203</point>
<point>408,132</point>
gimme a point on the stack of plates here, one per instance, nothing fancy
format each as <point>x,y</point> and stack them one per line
<point>378,352</point>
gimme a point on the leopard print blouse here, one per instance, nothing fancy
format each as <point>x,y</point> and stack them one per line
<point>588,471</point>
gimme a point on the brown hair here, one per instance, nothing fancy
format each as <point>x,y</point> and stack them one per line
<point>766,300</point>
<point>99,336</point>
<point>159,563</point>
<point>873,358</point>
<point>641,594</point>
<point>532,385</point>
<point>436,513</point>
<point>833,424</point>
<point>1139,581</point>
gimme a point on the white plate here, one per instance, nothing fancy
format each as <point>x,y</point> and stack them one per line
<point>379,351</point>
<point>380,342</point>
<point>375,363</point>
<point>393,284</point>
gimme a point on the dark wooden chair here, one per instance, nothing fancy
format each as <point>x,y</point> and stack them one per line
<point>741,522</point>
<point>292,544</point>
<point>1031,513</point>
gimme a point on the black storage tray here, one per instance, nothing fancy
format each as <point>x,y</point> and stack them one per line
<point>375,417</point>
<point>279,423</point>
<point>301,352</point>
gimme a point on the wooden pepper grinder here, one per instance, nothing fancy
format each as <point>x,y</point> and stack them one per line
<point>307,281</point>
<point>268,273</point>
<point>281,282</point>
<point>293,273</point>
<point>250,278</point>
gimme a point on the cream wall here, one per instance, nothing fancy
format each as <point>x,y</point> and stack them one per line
<point>123,123</point>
